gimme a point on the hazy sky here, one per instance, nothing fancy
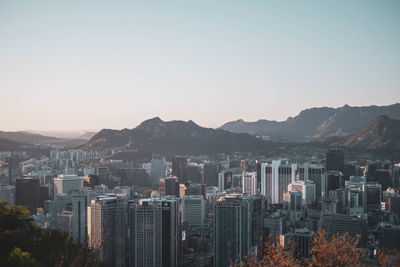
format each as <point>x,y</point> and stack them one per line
<point>111,64</point>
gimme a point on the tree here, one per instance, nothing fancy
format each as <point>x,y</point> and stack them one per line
<point>24,244</point>
<point>274,255</point>
<point>331,250</point>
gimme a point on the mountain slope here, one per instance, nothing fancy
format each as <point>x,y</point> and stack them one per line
<point>317,122</point>
<point>37,139</point>
<point>381,133</point>
<point>174,137</point>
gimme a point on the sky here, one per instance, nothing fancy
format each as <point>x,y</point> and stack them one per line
<point>88,65</point>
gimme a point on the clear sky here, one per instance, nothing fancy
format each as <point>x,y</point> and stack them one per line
<point>68,65</point>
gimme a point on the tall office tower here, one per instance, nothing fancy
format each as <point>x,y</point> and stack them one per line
<point>292,201</point>
<point>275,178</point>
<point>238,227</point>
<point>7,193</point>
<point>64,219</point>
<point>193,210</point>
<point>335,160</point>
<point>249,183</point>
<point>357,194</point>
<point>315,173</point>
<point>103,172</point>
<point>333,181</point>
<point>107,229</point>
<point>195,172</point>
<point>385,178</point>
<point>154,232</point>
<point>307,189</point>
<point>91,180</point>
<point>179,168</point>
<point>211,171</point>
<point>225,180</point>
<point>66,184</point>
<point>169,186</point>
<point>145,236</point>
<point>27,193</point>
<point>171,231</point>
<point>341,223</point>
<point>80,203</point>
<point>301,239</point>
<point>396,175</point>
<point>275,223</point>
<point>157,169</point>
<point>374,196</point>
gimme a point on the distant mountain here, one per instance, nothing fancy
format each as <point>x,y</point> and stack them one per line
<point>9,145</point>
<point>317,122</point>
<point>381,133</point>
<point>87,135</point>
<point>174,137</point>
<point>37,139</point>
<point>240,126</point>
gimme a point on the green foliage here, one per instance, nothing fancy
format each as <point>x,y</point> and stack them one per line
<point>23,244</point>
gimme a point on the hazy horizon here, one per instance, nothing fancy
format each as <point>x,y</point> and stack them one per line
<point>76,66</point>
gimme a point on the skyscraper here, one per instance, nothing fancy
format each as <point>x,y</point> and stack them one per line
<point>238,225</point>
<point>335,160</point>
<point>27,193</point>
<point>307,189</point>
<point>80,203</point>
<point>275,178</point>
<point>66,184</point>
<point>145,236</point>
<point>179,168</point>
<point>154,232</point>
<point>193,210</point>
<point>169,186</point>
<point>107,229</point>
<point>249,183</point>
<point>157,169</point>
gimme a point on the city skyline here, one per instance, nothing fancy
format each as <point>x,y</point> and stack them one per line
<point>88,66</point>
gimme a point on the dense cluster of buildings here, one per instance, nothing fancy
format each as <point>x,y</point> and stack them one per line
<point>204,211</point>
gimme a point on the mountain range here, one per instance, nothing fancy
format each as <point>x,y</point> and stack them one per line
<point>316,122</point>
<point>28,138</point>
<point>382,133</point>
<point>174,137</point>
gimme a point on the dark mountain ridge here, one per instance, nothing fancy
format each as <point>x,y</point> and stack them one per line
<point>316,122</point>
<point>174,137</point>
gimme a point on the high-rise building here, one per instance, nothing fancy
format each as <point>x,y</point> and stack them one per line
<point>225,180</point>
<point>27,193</point>
<point>157,169</point>
<point>275,223</point>
<point>292,201</point>
<point>66,184</point>
<point>154,232</point>
<point>249,183</point>
<point>315,173</point>
<point>64,219</point>
<point>80,203</point>
<point>341,223</point>
<point>7,193</point>
<point>238,225</point>
<point>179,168</point>
<point>333,181</point>
<point>169,186</point>
<point>275,178</point>
<point>307,189</point>
<point>193,210</point>
<point>357,194</point>
<point>211,174</point>
<point>335,160</point>
<point>107,229</point>
<point>145,233</point>
<point>374,196</point>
